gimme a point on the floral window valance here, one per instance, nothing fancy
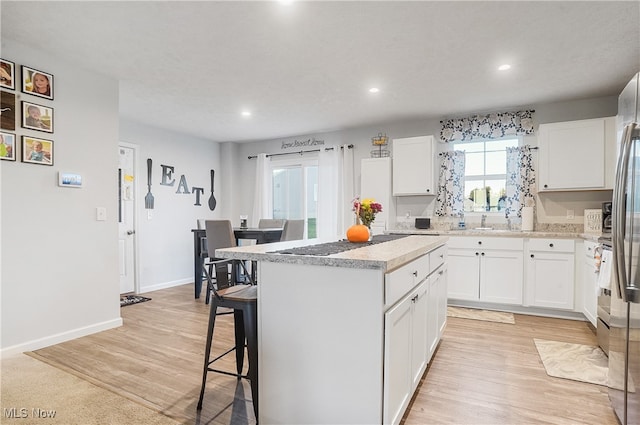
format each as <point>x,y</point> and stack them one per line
<point>491,126</point>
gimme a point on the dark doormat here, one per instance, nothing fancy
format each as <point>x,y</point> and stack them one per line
<point>132,299</point>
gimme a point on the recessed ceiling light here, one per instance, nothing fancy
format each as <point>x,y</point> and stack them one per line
<point>374,90</point>
<point>246,113</point>
<point>504,67</point>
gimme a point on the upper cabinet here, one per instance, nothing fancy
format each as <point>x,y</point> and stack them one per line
<point>577,155</point>
<point>375,183</point>
<point>413,172</point>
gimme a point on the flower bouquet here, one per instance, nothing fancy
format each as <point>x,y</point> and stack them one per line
<point>366,211</point>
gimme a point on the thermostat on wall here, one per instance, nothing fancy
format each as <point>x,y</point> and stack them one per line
<point>69,179</point>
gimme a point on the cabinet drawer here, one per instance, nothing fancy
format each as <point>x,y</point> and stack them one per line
<point>484,242</point>
<point>437,257</point>
<point>400,281</point>
<point>552,245</point>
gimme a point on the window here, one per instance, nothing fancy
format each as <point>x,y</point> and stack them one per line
<point>485,173</point>
<point>295,191</point>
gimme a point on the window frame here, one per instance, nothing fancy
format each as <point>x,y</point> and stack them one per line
<point>456,145</point>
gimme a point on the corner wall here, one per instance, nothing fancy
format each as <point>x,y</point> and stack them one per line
<point>59,267</point>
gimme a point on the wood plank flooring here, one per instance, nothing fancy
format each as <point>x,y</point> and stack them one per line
<point>482,373</point>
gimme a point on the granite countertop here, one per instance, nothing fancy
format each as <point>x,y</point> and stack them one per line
<point>497,233</point>
<point>384,256</point>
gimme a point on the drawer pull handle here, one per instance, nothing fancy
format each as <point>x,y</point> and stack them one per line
<point>479,242</point>
<point>415,273</point>
<point>441,272</point>
<point>531,255</point>
<point>482,253</point>
<point>550,245</point>
<point>477,253</point>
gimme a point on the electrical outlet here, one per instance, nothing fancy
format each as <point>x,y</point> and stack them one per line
<point>570,215</point>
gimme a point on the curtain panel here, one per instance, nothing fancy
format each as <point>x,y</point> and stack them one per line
<point>491,126</point>
<point>450,196</point>
<point>521,180</point>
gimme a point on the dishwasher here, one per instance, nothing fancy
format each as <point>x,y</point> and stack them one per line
<point>604,298</point>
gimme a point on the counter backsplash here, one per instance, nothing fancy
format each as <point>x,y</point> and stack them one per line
<point>449,223</point>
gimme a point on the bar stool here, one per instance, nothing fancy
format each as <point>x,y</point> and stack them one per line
<point>243,299</point>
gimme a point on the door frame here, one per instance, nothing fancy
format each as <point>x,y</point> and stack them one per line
<point>136,218</point>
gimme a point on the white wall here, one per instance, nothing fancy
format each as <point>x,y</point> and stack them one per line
<point>165,242</point>
<point>423,205</point>
<point>59,269</point>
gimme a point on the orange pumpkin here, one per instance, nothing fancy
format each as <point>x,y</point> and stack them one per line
<point>358,233</point>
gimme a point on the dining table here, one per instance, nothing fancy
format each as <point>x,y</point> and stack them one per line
<point>260,235</point>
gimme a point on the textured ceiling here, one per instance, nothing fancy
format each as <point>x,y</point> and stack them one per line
<point>194,66</point>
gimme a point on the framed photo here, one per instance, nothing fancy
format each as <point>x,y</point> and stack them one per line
<point>7,74</point>
<point>37,151</point>
<point>7,146</point>
<point>7,111</point>
<point>37,117</point>
<point>37,83</point>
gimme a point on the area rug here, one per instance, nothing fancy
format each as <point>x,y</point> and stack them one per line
<point>486,315</point>
<point>584,363</point>
<point>132,299</point>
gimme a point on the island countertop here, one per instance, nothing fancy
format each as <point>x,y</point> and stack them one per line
<point>384,256</point>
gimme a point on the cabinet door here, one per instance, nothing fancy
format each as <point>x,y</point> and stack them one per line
<point>501,277</point>
<point>572,155</point>
<point>397,361</point>
<point>413,172</point>
<point>433,334</point>
<point>420,331</point>
<point>442,299</point>
<point>463,274</point>
<point>550,280</point>
<point>375,183</point>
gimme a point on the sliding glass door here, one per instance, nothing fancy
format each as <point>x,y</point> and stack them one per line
<point>295,191</point>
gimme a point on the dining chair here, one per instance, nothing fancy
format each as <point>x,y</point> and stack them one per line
<point>243,300</point>
<point>219,234</point>
<point>269,223</point>
<point>293,230</point>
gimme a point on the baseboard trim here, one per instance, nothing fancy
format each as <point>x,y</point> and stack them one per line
<point>165,285</point>
<point>60,337</point>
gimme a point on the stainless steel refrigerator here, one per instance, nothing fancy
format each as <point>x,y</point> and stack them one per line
<point>624,342</point>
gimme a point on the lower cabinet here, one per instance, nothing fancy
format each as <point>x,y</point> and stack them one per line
<point>550,273</point>
<point>405,353</point>
<point>485,269</point>
<point>412,330</point>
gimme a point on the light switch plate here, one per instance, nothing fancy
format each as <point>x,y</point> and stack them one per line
<point>101,214</point>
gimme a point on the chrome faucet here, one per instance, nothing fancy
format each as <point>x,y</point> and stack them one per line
<point>483,220</point>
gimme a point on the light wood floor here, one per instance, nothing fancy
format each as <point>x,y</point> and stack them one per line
<point>482,373</point>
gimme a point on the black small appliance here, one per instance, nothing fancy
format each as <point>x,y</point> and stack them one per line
<point>606,217</point>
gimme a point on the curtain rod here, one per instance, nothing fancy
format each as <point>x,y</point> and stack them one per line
<point>299,152</point>
<point>533,148</point>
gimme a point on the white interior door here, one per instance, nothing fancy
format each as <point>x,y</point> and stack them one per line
<point>126,217</point>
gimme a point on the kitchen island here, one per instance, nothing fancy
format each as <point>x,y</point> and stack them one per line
<point>344,338</point>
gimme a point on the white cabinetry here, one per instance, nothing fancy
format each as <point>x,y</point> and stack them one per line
<point>577,155</point>
<point>412,328</point>
<point>375,183</point>
<point>485,269</point>
<point>550,273</point>
<point>413,171</point>
<point>589,283</point>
